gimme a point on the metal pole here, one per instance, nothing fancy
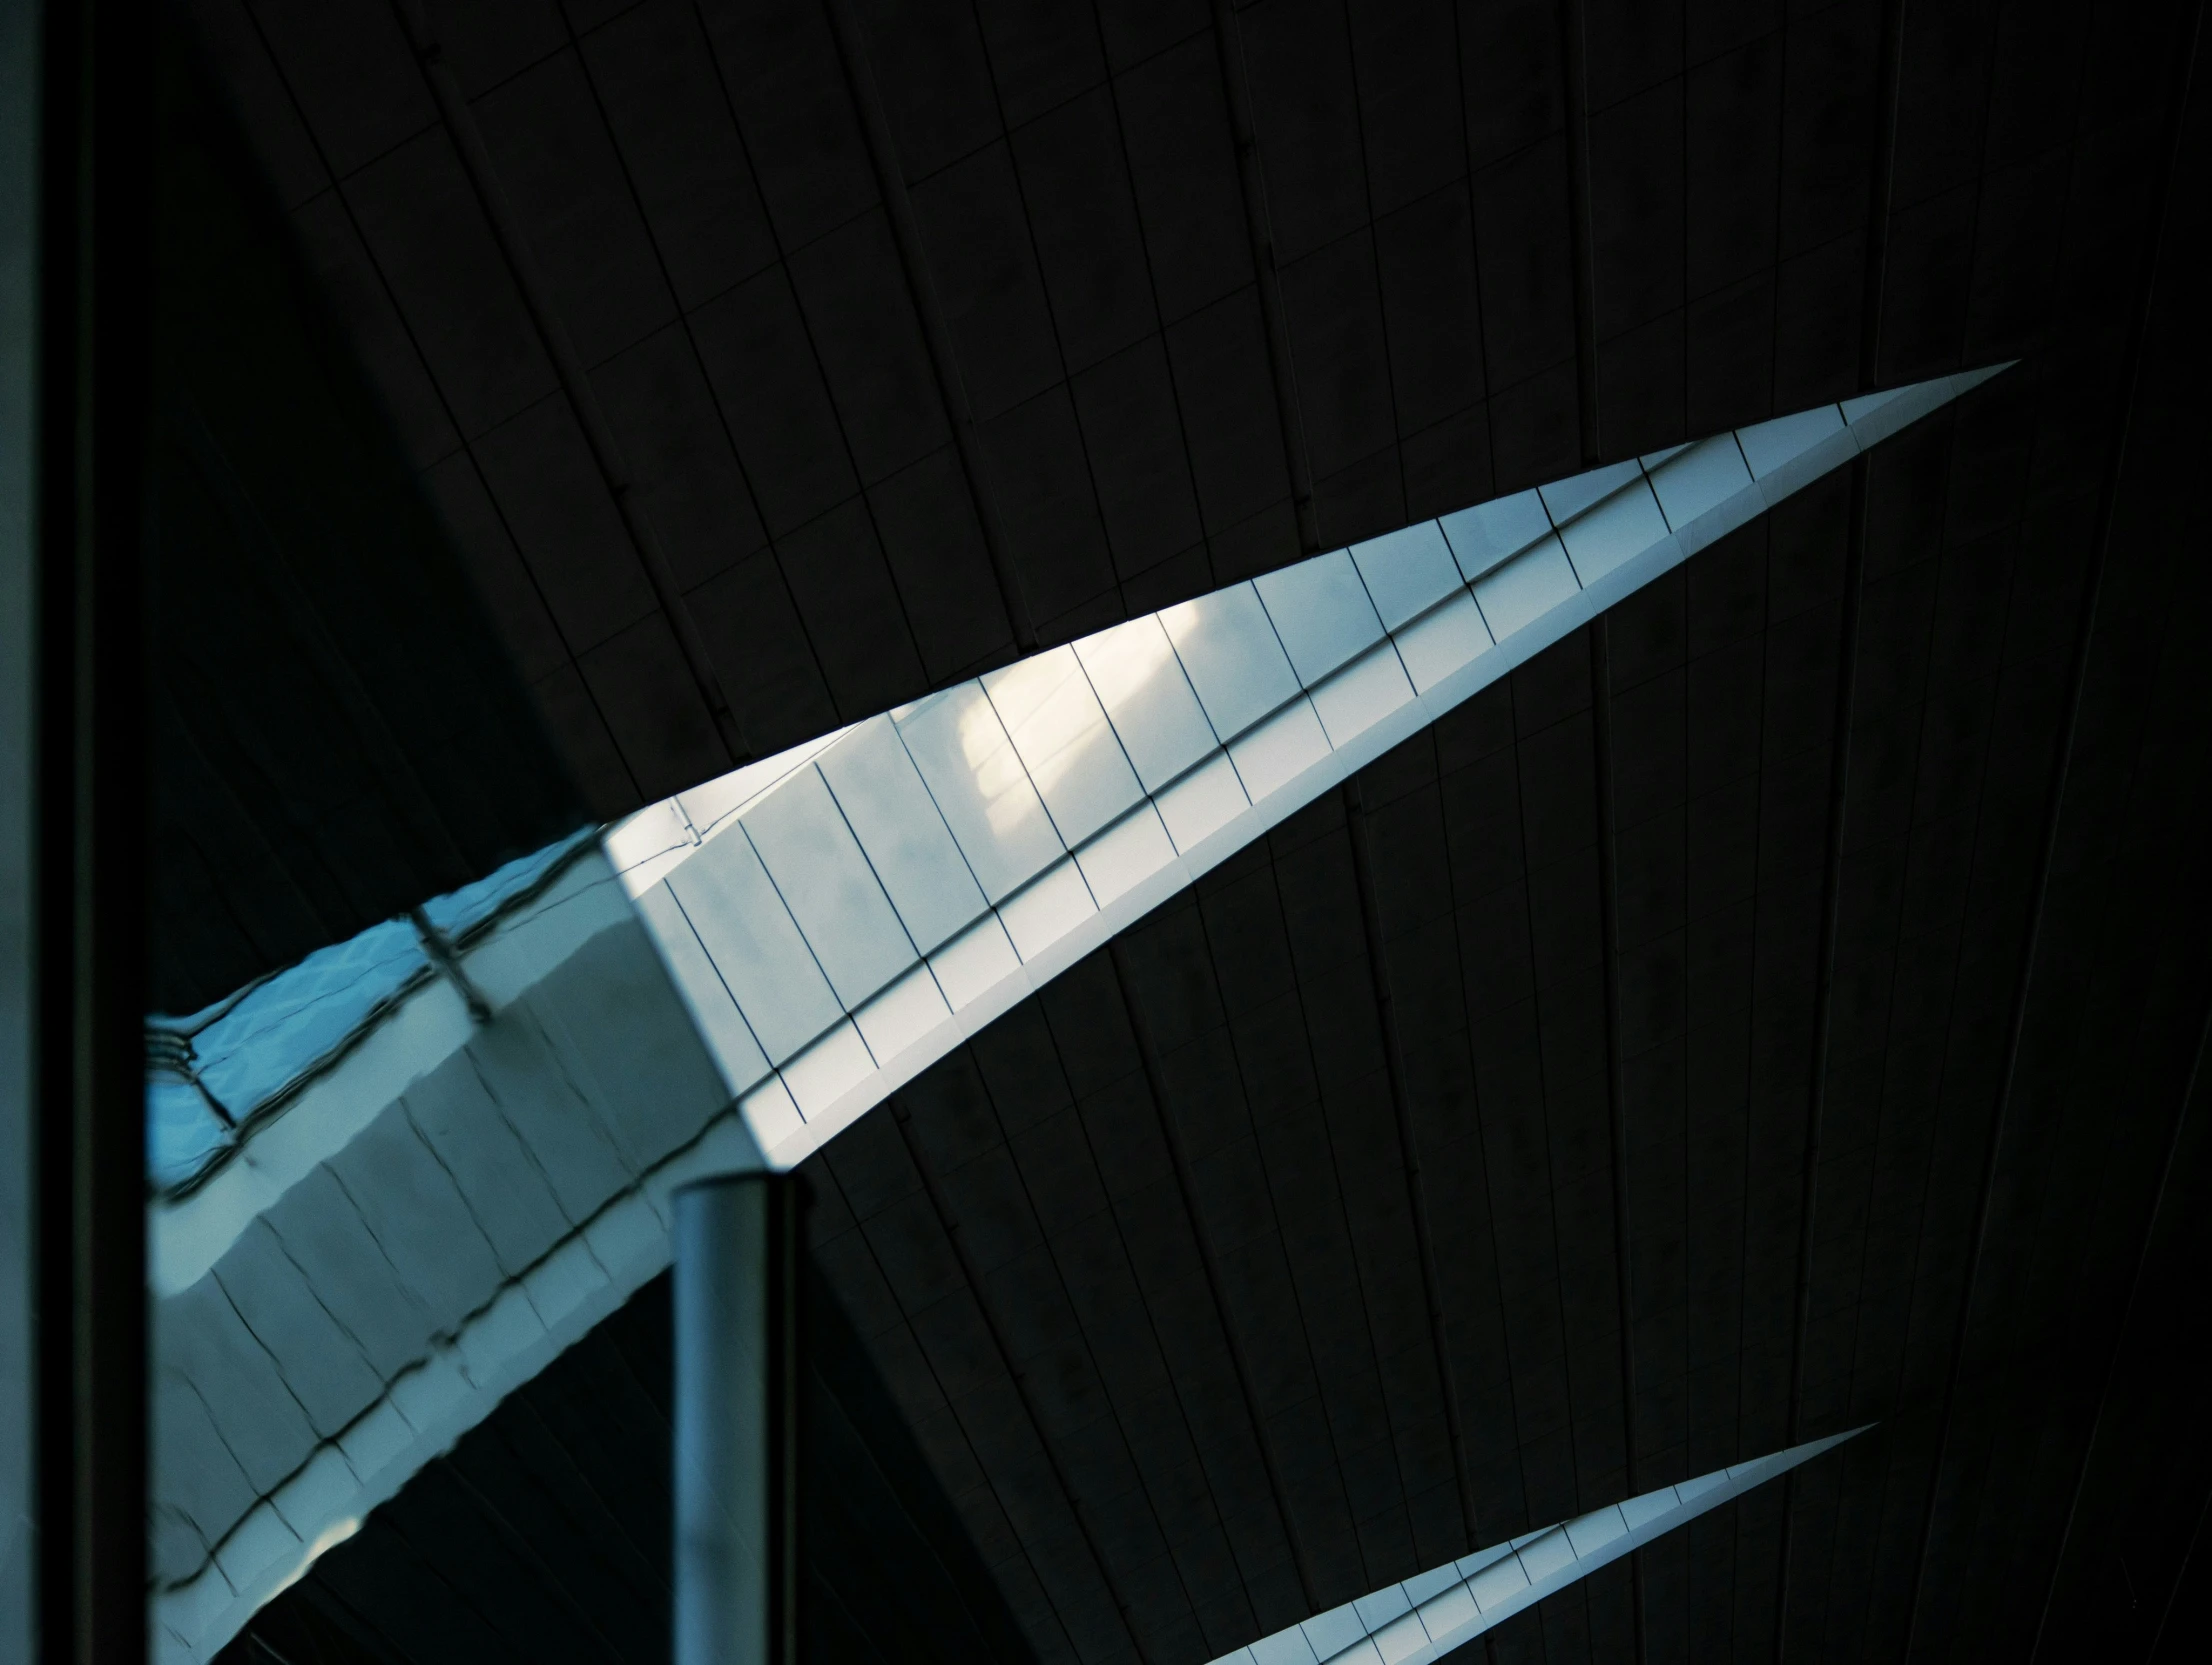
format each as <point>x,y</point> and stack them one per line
<point>19,876</point>
<point>736,1308</point>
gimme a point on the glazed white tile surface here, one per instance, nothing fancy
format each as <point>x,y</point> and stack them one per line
<point>964,849</point>
<point>1427,1616</point>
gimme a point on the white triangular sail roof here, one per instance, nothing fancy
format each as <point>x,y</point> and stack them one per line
<point>834,919</point>
<point>1427,1616</point>
<point>843,915</point>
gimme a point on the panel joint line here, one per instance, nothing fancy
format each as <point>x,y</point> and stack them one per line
<point>2120,1335</point>
<point>1252,185</point>
<point>944,363</point>
<point>2186,29</point>
<point>1575,67</point>
<point>1609,926</point>
<point>568,368</point>
<point>947,1219</point>
<point>1187,1191</point>
<point>1824,973</point>
<point>1386,1017</point>
<point>1880,191</point>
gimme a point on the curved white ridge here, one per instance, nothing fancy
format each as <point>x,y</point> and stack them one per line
<point>451,1205</point>
<point>843,915</point>
<point>1427,1616</point>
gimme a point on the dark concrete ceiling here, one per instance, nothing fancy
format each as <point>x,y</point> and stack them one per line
<point>774,362</point>
<point>1778,1007</point>
<point>334,733</point>
<point>545,1534</point>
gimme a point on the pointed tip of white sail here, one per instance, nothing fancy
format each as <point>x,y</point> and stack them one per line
<point>1873,417</point>
<point>1967,380</point>
<point>1428,1616</point>
<point>1056,800</point>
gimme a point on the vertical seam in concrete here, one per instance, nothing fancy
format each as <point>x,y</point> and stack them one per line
<point>2181,1579</point>
<point>468,1204</point>
<point>1252,186</point>
<point>1881,188</point>
<point>685,318</point>
<point>390,768</point>
<point>1548,1188</point>
<point>1474,252</point>
<point>1575,67</point>
<point>462,447</point>
<point>942,1211</point>
<point>568,367</point>
<point>524,1546</point>
<point>1824,973</point>
<point>283,1377</point>
<point>1355,1241</point>
<point>1363,871</point>
<point>1186,1189</point>
<point>2078,676</point>
<point>1374,259</point>
<point>529,1151</point>
<point>906,236</point>
<point>1053,318</point>
<point>2119,1341</point>
<point>1159,331</point>
<point>1609,927</point>
<point>1490,1217</point>
<point>1115,1407</point>
<point>1159,1346</point>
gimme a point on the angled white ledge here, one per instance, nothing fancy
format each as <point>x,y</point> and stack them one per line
<point>841,916</point>
<point>443,1211</point>
<point>1427,1616</point>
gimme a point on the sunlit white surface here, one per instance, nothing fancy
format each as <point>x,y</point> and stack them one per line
<point>987,836</point>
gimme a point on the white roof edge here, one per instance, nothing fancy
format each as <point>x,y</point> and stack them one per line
<point>802,1092</point>
<point>1425,1617</point>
